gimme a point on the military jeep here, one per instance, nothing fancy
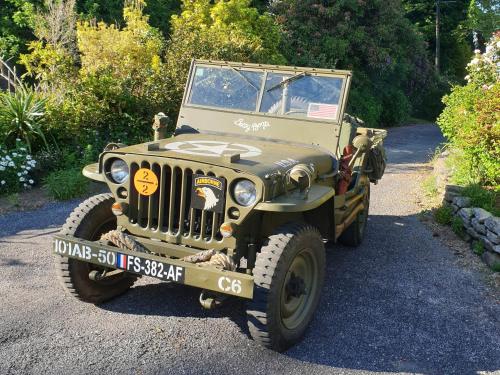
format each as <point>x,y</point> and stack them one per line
<point>263,169</point>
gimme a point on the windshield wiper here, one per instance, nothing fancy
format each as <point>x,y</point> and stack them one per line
<point>289,79</point>
<point>242,76</point>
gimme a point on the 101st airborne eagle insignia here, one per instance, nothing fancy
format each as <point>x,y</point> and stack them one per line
<point>208,195</point>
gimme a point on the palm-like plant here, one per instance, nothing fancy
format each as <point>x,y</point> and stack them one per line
<point>21,113</point>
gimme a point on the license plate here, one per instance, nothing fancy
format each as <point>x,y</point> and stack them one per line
<point>116,259</point>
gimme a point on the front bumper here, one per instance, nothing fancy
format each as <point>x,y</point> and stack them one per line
<point>176,270</point>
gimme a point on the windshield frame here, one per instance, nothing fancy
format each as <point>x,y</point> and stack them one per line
<point>299,72</point>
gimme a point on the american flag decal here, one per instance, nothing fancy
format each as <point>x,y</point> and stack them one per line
<point>320,110</point>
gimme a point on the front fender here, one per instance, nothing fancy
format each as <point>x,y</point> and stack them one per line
<point>92,171</point>
<point>295,202</point>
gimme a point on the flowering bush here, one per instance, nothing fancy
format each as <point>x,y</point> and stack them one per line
<point>471,119</point>
<point>16,168</point>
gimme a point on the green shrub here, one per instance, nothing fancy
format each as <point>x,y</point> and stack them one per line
<point>444,214</point>
<point>66,184</point>
<point>481,197</point>
<point>457,226</point>
<point>478,248</point>
<point>20,117</point>
<point>16,169</point>
<point>471,119</point>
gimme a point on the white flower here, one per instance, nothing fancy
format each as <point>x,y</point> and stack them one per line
<point>498,44</point>
<point>14,154</point>
<point>18,140</point>
<point>31,182</point>
<point>25,185</point>
<point>25,172</point>
<point>3,163</point>
<point>28,168</point>
<point>22,179</point>
<point>2,182</point>
<point>23,166</point>
<point>28,157</point>
<point>477,51</point>
<point>18,174</point>
<point>11,164</point>
<point>2,168</point>
<point>22,149</point>
<point>8,157</point>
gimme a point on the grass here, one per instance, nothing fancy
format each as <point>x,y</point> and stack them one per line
<point>478,247</point>
<point>495,267</point>
<point>443,214</point>
<point>430,187</point>
<point>458,226</point>
<point>484,198</point>
<point>66,184</point>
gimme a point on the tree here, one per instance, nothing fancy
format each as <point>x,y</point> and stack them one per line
<point>454,45</point>
<point>15,20</point>
<point>226,30</point>
<point>110,11</point>
<point>483,20</point>
<point>371,37</point>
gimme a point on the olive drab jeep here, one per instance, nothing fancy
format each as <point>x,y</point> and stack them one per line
<point>264,167</point>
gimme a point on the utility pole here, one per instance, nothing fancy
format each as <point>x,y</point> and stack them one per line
<point>438,41</point>
<point>437,62</point>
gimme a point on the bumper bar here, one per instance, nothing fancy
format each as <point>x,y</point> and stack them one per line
<point>166,269</point>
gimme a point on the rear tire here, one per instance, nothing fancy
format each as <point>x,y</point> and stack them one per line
<point>89,221</point>
<point>288,276</point>
<point>353,235</point>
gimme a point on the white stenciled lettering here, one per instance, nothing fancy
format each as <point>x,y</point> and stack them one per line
<point>77,251</point>
<point>178,273</point>
<point>227,285</point>
<point>171,273</point>
<point>286,163</point>
<point>252,127</point>
<point>87,252</point>
<point>137,264</point>
<point>62,247</point>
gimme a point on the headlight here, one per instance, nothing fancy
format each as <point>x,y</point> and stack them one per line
<point>119,171</point>
<point>244,193</point>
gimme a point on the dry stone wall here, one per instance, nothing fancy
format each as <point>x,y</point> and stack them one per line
<point>479,224</point>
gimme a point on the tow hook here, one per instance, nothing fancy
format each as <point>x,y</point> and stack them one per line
<point>98,276</point>
<point>210,300</point>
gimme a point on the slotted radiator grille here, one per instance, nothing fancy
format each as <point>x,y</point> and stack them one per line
<point>168,209</point>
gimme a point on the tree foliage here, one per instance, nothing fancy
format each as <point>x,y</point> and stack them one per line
<point>371,37</point>
<point>226,30</point>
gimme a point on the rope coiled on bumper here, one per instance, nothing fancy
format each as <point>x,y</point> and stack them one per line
<point>202,258</point>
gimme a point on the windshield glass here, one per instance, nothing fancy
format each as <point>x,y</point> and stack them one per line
<point>226,88</point>
<point>299,94</point>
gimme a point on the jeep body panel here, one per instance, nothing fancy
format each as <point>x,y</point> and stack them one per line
<point>252,122</point>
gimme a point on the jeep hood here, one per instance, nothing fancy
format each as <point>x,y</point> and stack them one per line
<point>255,156</point>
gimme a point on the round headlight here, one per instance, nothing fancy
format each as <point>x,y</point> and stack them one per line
<point>119,171</point>
<point>244,192</point>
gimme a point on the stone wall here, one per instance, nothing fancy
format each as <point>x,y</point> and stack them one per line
<point>479,224</point>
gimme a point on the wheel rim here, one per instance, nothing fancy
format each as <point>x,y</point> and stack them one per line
<point>105,227</point>
<point>299,289</point>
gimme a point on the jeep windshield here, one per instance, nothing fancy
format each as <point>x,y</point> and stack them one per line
<point>299,94</point>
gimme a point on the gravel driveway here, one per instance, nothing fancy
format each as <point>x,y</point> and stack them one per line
<point>398,303</point>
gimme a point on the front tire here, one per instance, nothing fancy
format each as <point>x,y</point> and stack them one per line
<point>353,235</point>
<point>89,221</point>
<point>288,275</point>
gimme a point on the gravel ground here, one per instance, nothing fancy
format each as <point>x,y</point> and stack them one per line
<point>398,303</point>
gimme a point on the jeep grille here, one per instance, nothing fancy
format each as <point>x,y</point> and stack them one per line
<point>168,209</point>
